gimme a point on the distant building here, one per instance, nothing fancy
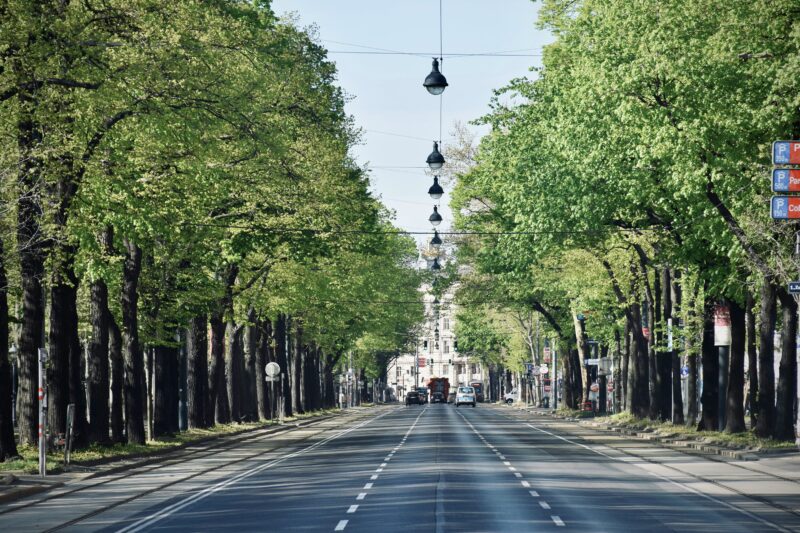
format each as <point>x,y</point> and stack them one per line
<point>436,353</point>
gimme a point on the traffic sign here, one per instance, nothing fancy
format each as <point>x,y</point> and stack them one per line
<point>544,369</point>
<point>548,388</point>
<point>272,369</point>
<point>272,378</point>
<point>684,371</point>
<point>786,153</point>
<point>785,207</point>
<point>592,362</point>
<point>794,287</point>
<point>785,180</point>
<point>421,362</point>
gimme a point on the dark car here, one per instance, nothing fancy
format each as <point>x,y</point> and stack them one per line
<point>437,397</point>
<point>413,397</point>
<point>423,395</point>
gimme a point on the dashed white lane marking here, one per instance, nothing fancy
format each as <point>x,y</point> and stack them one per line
<point>368,486</point>
<point>517,474</point>
<point>557,521</point>
<point>379,469</point>
<point>511,468</point>
<point>373,477</point>
<point>534,493</point>
<point>525,484</point>
<point>506,463</point>
<point>383,465</point>
<point>352,509</point>
<point>341,525</point>
<point>361,495</point>
<point>501,456</point>
<point>544,505</point>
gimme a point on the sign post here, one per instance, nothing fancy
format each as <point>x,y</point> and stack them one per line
<point>722,339</point>
<point>273,372</point>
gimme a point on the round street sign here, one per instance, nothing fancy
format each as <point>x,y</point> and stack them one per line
<point>272,369</point>
<point>544,369</point>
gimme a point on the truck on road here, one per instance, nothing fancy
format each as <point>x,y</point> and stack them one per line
<point>439,389</point>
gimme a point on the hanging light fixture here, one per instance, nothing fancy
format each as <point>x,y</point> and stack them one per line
<point>436,242</point>
<point>435,82</point>
<point>435,217</point>
<point>435,159</point>
<point>436,190</point>
<point>436,265</point>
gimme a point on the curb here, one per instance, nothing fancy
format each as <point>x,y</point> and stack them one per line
<point>23,492</point>
<point>688,446</point>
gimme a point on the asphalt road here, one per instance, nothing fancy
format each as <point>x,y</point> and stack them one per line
<point>426,468</point>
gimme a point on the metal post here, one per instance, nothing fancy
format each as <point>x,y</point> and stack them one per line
<point>281,401</point>
<point>42,415</point>
<point>70,433</point>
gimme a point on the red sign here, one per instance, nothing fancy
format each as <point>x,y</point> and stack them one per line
<point>786,180</point>
<point>421,362</point>
<point>785,207</point>
<point>645,331</point>
<point>547,388</point>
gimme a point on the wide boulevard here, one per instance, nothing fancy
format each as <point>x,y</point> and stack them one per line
<point>424,468</point>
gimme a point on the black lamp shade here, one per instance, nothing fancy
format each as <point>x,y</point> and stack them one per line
<point>435,82</point>
<point>436,241</point>
<point>435,159</point>
<point>435,217</point>
<point>436,265</point>
<point>436,190</point>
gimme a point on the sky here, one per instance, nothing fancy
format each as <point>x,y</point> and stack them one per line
<point>398,117</point>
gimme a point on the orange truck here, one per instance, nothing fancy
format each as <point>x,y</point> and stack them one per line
<point>439,389</point>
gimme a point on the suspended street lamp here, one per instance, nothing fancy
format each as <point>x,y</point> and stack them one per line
<point>435,82</point>
<point>436,242</point>
<point>435,217</point>
<point>436,266</point>
<point>436,190</point>
<point>435,159</point>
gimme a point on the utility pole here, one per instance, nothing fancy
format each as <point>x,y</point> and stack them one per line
<point>554,379</point>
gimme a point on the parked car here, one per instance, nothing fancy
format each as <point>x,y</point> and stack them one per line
<point>437,397</point>
<point>511,397</point>
<point>465,395</point>
<point>413,397</point>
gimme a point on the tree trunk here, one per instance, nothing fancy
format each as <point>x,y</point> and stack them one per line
<point>584,384</point>
<point>709,418</point>
<point>626,359</point>
<point>734,398</point>
<point>217,386</point>
<point>752,358</point>
<point>165,402</point>
<point>693,378</point>
<point>330,393</point>
<point>234,366</point>
<point>298,356</point>
<point>197,372</point>
<point>58,364</point>
<point>117,380</point>
<point>98,364</point>
<point>664,354</point>
<point>8,446</point>
<point>31,258</point>
<point>132,353</point>
<point>640,395</point>
<point>263,356</point>
<point>282,358</point>
<point>765,424</point>
<point>250,345</point>
<point>787,371</point>
<point>653,309</point>
<point>677,303</point>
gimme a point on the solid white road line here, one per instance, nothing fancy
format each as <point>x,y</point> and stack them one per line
<point>557,521</point>
<point>341,525</point>
<point>544,505</point>
<point>352,509</point>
